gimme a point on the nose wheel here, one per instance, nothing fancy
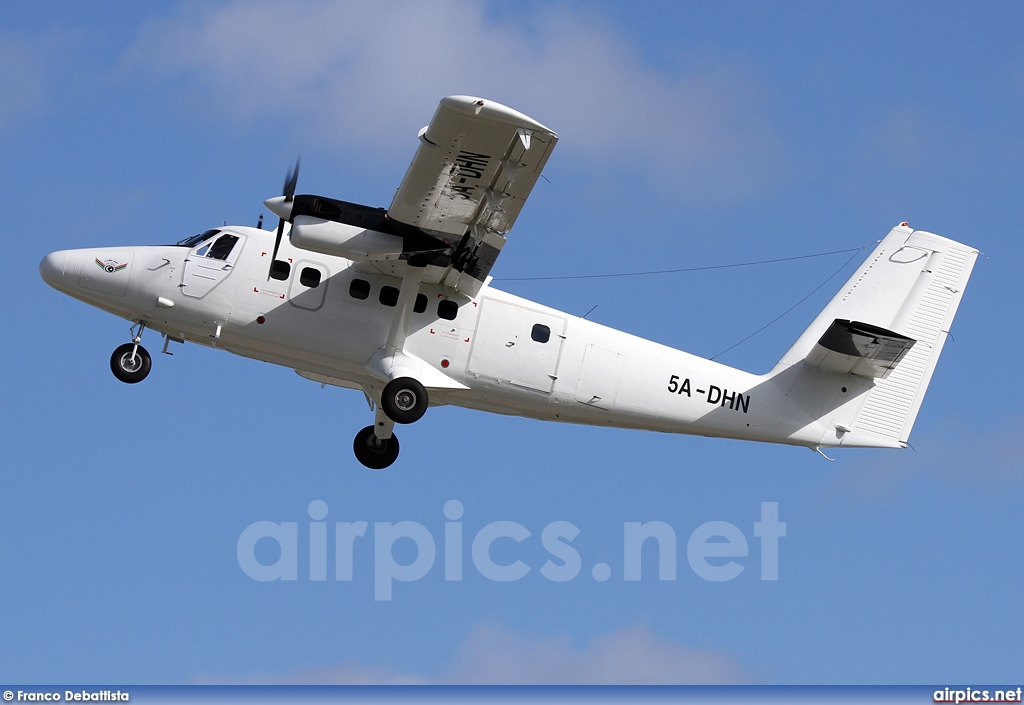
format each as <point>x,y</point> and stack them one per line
<point>130,363</point>
<point>373,452</point>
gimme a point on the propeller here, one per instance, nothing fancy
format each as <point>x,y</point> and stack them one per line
<point>282,207</point>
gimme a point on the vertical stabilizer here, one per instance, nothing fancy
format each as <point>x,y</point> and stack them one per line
<point>884,332</point>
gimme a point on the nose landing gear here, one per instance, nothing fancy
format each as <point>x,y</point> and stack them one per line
<point>131,362</point>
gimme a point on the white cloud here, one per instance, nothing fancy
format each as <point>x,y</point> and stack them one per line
<point>368,75</point>
<point>906,138</point>
<point>629,656</point>
<point>338,674</point>
<point>495,656</point>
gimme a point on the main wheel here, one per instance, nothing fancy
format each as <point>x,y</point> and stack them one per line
<point>128,367</point>
<point>372,451</point>
<point>404,400</point>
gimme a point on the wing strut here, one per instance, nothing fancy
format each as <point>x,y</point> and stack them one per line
<point>406,300</point>
<point>391,361</point>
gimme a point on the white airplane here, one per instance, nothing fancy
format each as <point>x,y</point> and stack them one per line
<point>398,303</point>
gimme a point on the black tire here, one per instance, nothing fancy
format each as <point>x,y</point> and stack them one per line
<point>128,370</point>
<point>373,452</point>
<point>404,400</point>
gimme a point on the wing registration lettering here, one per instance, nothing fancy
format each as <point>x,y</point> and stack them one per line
<point>476,164</point>
<point>469,167</point>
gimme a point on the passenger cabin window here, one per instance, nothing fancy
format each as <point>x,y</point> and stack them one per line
<point>447,309</point>
<point>541,333</point>
<point>222,247</point>
<point>359,289</point>
<point>280,270</point>
<point>310,277</point>
<point>421,304</point>
<point>388,295</point>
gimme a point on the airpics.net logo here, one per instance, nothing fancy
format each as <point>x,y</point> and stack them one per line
<point>269,551</point>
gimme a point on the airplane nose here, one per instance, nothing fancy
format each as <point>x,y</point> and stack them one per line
<point>51,269</point>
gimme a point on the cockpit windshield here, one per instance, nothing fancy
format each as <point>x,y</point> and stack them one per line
<point>196,239</point>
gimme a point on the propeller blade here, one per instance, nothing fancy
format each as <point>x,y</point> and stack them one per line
<point>288,191</point>
<point>290,180</point>
<point>277,244</point>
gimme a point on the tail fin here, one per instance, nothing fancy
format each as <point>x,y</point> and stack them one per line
<point>884,332</point>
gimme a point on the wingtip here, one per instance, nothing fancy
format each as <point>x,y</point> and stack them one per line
<point>492,110</point>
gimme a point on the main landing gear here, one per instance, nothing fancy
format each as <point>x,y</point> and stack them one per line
<point>404,400</point>
<point>131,362</point>
<point>375,453</point>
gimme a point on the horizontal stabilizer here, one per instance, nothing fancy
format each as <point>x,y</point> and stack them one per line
<point>859,348</point>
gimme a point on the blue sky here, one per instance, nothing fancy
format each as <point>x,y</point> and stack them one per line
<point>690,135</point>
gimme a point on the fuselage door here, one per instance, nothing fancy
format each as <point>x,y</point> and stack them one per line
<point>309,285</point>
<point>210,263</point>
<point>517,345</point>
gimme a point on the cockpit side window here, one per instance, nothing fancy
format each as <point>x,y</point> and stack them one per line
<point>222,248</point>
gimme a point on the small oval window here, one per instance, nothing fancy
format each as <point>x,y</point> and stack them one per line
<point>359,289</point>
<point>447,309</point>
<point>388,295</point>
<point>310,277</point>
<point>280,270</point>
<point>541,333</point>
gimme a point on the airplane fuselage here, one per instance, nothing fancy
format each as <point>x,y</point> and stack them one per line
<point>326,319</point>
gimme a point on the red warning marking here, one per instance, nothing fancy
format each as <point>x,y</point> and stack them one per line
<point>432,331</point>
<point>467,340</point>
<point>267,292</point>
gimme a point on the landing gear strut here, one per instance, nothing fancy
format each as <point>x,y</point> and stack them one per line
<point>131,362</point>
<point>404,400</point>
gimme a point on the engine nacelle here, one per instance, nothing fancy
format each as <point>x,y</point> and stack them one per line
<point>329,237</point>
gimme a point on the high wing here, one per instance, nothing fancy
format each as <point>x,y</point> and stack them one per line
<point>476,164</point>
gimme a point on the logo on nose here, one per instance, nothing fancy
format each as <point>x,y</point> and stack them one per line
<point>110,265</point>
